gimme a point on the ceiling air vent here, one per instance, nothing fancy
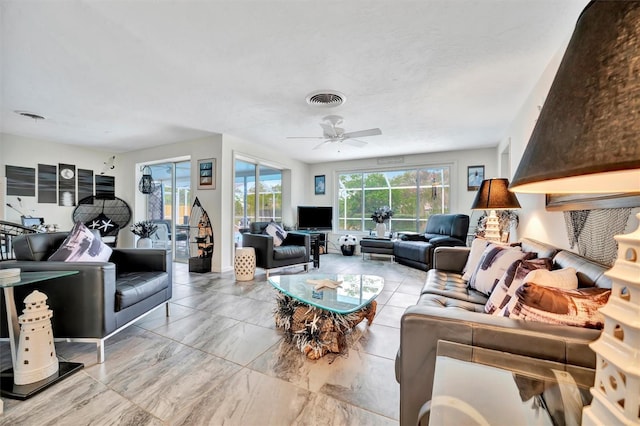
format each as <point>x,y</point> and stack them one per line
<point>326,98</point>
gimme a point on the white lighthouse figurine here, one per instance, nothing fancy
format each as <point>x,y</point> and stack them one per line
<point>36,358</point>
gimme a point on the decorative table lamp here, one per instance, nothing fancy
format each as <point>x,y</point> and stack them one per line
<point>586,140</point>
<point>494,195</point>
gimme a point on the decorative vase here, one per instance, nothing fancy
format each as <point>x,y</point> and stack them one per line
<point>381,229</point>
<point>347,250</point>
<point>144,243</point>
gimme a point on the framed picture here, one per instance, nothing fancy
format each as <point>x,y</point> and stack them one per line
<point>320,185</point>
<point>475,176</point>
<point>207,174</point>
<point>568,202</point>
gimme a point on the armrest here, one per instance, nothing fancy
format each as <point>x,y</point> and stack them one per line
<point>446,241</point>
<point>450,259</point>
<point>263,245</point>
<point>423,326</point>
<point>82,304</point>
<point>138,260</point>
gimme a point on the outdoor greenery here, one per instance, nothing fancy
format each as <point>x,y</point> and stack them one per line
<point>412,194</point>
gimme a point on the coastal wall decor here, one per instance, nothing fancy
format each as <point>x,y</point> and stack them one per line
<point>21,181</point>
<point>207,174</point>
<point>47,184</point>
<point>66,185</point>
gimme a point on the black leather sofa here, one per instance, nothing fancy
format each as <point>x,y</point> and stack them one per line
<point>447,309</point>
<point>103,298</point>
<point>442,230</point>
<point>294,250</point>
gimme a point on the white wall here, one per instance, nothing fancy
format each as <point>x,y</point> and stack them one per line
<point>26,152</point>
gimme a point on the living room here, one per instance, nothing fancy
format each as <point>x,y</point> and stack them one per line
<point>25,145</point>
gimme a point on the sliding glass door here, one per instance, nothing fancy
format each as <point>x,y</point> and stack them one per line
<point>170,205</point>
<point>257,195</point>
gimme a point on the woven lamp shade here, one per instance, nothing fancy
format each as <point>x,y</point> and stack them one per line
<point>586,139</point>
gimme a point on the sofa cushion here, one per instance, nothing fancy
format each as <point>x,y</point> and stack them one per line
<point>82,245</point>
<point>277,232</point>
<point>417,251</point>
<point>451,285</point>
<point>288,252</point>
<point>557,306</point>
<point>495,261</point>
<point>511,280</point>
<point>133,287</point>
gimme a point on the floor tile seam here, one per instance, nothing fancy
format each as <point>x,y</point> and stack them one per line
<point>337,398</point>
<point>195,348</point>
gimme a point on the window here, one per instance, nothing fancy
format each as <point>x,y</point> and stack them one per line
<point>413,195</point>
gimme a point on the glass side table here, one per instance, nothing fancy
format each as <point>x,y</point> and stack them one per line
<point>478,386</point>
<point>7,386</point>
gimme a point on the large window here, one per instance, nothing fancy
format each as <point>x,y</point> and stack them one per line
<point>413,195</point>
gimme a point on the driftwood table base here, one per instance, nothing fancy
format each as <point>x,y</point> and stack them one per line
<point>316,331</point>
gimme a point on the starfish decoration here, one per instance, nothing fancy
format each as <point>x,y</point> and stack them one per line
<point>106,224</point>
<point>94,224</point>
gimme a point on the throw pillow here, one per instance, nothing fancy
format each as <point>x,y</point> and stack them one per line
<point>577,307</point>
<point>561,278</point>
<point>277,232</point>
<point>81,245</point>
<point>477,248</point>
<point>511,280</point>
<point>493,264</point>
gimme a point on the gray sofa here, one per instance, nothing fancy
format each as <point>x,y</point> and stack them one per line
<point>103,298</point>
<point>449,310</point>
<point>295,249</point>
<point>442,230</point>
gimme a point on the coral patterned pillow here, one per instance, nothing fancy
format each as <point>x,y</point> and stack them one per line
<point>577,307</point>
<point>512,279</point>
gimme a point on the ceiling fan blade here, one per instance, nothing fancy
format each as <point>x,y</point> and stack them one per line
<point>355,142</point>
<point>363,133</point>
<point>329,130</point>
<point>305,137</point>
<point>321,144</point>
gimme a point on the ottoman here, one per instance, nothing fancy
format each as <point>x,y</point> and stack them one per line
<point>382,246</point>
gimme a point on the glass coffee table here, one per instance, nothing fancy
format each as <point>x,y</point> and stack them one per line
<point>7,386</point>
<point>317,319</point>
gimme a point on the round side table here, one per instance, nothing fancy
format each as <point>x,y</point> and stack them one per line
<point>245,264</point>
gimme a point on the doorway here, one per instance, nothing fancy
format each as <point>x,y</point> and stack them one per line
<point>170,206</point>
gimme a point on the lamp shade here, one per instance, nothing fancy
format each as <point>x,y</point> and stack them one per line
<point>587,138</point>
<point>494,194</point>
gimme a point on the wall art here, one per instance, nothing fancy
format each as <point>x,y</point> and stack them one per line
<point>21,181</point>
<point>47,184</point>
<point>66,185</point>
<point>207,174</point>
<point>475,176</point>
<point>320,185</point>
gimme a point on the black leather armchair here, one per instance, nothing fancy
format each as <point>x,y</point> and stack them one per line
<point>103,298</point>
<point>442,230</point>
<point>295,249</point>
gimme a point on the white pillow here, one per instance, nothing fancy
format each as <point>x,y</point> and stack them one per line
<point>276,232</point>
<point>477,248</point>
<point>565,279</point>
<point>81,245</point>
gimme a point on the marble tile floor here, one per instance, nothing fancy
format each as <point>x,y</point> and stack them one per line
<point>219,359</point>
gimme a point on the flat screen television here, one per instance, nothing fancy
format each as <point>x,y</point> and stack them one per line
<point>315,218</point>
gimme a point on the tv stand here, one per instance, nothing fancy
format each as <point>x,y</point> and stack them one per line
<point>318,244</point>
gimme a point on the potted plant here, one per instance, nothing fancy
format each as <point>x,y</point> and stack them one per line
<point>380,217</point>
<point>348,244</point>
<point>144,229</point>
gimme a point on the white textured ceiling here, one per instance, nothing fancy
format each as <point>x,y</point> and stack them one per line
<point>125,75</point>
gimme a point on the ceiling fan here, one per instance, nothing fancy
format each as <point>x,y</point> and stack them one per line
<point>331,133</point>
